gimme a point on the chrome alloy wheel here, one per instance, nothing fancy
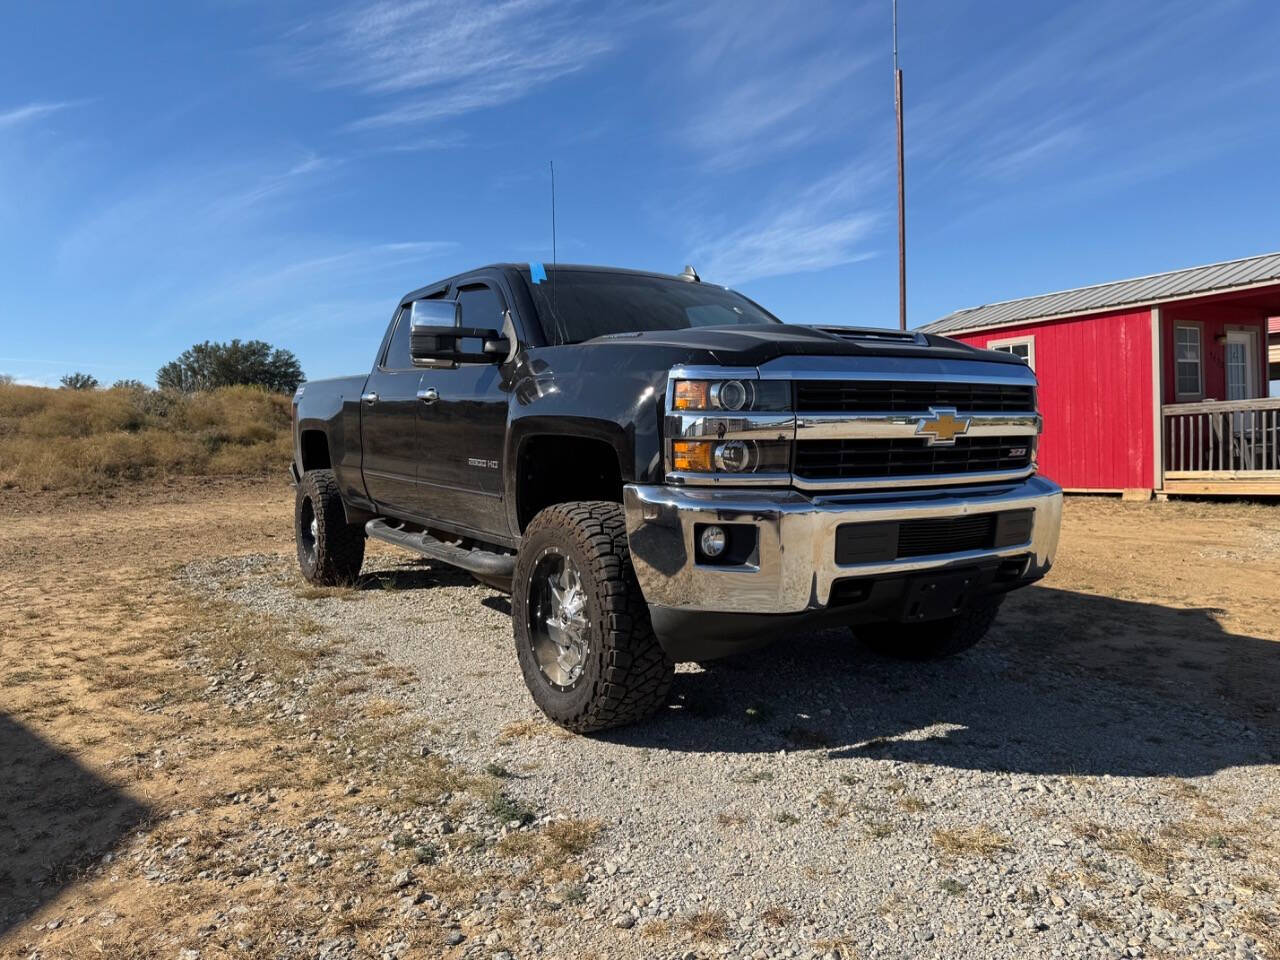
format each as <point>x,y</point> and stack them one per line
<point>309,529</point>
<point>558,625</point>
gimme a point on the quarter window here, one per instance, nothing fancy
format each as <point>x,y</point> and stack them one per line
<point>1186,355</point>
<point>398,350</point>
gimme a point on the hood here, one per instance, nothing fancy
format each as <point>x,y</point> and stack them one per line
<point>750,346</point>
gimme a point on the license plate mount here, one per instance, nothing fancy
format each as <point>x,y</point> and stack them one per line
<point>936,596</point>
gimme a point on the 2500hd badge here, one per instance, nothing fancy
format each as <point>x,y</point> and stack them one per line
<point>658,469</point>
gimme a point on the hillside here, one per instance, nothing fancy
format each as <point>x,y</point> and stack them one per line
<point>85,440</point>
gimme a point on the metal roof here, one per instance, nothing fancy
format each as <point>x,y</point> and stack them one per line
<point>1214,278</point>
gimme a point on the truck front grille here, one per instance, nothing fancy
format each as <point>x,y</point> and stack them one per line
<point>906,539</point>
<point>845,396</point>
<point>908,457</point>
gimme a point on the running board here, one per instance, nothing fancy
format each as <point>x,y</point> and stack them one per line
<point>475,560</point>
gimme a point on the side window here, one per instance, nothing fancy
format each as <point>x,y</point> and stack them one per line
<point>481,306</point>
<point>1186,356</point>
<point>1024,348</point>
<point>398,349</point>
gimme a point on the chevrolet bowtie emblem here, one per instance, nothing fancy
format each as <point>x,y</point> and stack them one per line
<point>942,426</point>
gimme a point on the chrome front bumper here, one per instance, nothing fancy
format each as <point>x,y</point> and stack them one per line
<point>795,565</point>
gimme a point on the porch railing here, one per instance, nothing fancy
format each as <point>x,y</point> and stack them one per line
<point>1223,439</point>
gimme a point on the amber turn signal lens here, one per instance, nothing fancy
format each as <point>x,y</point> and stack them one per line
<point>691,455</point>
<point>692,394</point>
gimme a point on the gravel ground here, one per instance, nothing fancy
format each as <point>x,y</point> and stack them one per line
<point>812,799</point>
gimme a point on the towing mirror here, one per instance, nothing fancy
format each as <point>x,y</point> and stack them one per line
<point>435,329</point>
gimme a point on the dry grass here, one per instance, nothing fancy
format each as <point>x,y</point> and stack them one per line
<point>528,729</point>
<point>552,847</point>
<point>777,916</point>
<point>84,440</point>
<point>309,592</point>
<point>1146,852</point>
<point>1255,883</point>
<point>656,930</point>
<point>707,925</point>
<point>842,947</point>
<point>1168,900</point>
<point>1099,919</point>
<point>971,842</point>
<point>1263,926</point>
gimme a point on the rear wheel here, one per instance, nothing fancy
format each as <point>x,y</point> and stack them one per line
<point>932,640</point>
<point>330,550</point>
<point>583,637</point>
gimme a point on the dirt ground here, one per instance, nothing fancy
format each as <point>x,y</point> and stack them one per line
<point>110,741</point>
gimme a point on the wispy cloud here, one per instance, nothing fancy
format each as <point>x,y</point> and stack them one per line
<point>430,59</point>
<point>253,283</point>
<point>447,141</point>
<point>823,225</point>
<point>182,209</point>
<point>33,111</point>
<point>1085,90</point>
<point>768,83</point>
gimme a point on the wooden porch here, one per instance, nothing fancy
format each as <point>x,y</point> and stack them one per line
<point>1222,447</point>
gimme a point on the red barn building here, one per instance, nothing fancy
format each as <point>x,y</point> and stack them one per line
<point>1154,384</point>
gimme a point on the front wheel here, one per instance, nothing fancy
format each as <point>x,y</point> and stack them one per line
<point>330,550</point>
<point>932,640</point>
<point>583,637</point>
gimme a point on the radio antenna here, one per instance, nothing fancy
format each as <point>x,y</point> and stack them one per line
<point>553,235</point>
<point>902,189</point>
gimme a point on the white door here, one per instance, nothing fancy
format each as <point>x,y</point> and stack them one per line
<point>1241,365</point>
<point>1240,386</point>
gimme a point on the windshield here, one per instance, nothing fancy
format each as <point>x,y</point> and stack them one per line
<point>576,305</point>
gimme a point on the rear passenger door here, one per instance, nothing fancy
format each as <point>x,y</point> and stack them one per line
<point>389,412</point>
<point>464,427</point>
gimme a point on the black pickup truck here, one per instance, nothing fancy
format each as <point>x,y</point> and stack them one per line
<point>658,470</point>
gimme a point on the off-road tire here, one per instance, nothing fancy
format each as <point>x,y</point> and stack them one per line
<point>936,638</point>
<point>334,556</point>
<point>626,676</point>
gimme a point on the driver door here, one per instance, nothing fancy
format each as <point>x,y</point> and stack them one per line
<point>464,425</point>
<point>389,428</point>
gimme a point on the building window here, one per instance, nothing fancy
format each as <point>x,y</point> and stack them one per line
<point>1022,347</point>
<point>1187,362</point>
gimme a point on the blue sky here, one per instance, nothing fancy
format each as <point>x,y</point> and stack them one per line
<point>171,173</point>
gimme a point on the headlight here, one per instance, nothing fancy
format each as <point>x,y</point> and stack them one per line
<point>731,456</point>
<point>731,395</point>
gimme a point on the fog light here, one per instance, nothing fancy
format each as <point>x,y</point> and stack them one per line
<point>713,541</point>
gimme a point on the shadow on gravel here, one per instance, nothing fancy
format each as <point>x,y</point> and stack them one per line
<point>55,817</point>
<point>1067,683</point>
<point>415,575</point>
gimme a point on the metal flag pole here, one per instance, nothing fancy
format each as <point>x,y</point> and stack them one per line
<point>902,191</point>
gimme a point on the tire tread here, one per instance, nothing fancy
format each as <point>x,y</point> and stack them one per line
<point>339,545</point>
<point>633,676</point>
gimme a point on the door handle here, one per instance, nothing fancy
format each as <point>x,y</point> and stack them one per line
<point>369,397</point>
<point>429,395</point>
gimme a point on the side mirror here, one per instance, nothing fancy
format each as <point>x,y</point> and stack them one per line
<point>435,329</point>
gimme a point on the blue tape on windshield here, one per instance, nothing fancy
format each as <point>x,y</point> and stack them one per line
<point>536,273</point>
